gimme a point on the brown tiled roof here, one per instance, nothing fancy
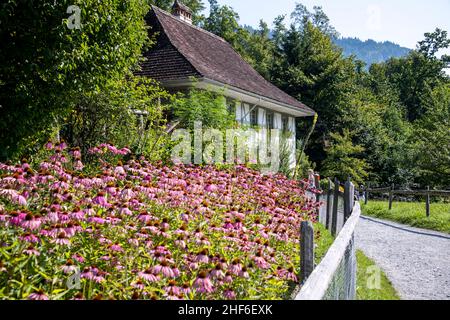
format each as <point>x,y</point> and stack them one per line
<point>184,51</point>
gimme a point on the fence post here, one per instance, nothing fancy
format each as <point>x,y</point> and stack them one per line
<point>428,202</point>
<point>329,208</point>
<point>306,250</point>
<point>335,208</point>
<point>347,200</point>
<point>366,198</point>
<point>391,196</point>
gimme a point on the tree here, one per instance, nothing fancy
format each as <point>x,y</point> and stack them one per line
<point>223,21</point>
<point>45,65</point>
<point>431,141</point>
<point>417,75</point>
<point>344,159</point>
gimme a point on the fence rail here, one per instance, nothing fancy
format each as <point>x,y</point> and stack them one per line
<point>335,277</point>
<point>392,192</point>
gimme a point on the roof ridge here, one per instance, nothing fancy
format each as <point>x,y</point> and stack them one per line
<point>189,24</point>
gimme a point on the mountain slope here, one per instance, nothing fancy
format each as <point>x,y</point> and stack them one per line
<point>371,51</point>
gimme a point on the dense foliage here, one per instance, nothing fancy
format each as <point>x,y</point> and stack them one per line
<point>136,230</point>
<point>45,66</point>
<point>387,110</point>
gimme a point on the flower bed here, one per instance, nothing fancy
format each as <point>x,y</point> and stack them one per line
<point>137,230</point>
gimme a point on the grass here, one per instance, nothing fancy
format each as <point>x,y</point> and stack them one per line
<point>367,279</point>
<point>412,213</point>
<point>323,241</point>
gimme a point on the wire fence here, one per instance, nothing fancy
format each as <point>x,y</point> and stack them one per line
<point>335,277</point>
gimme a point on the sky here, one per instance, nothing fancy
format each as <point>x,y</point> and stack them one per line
<point>401,21</point>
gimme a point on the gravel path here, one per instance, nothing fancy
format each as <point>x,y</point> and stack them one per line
<point>416,261</point>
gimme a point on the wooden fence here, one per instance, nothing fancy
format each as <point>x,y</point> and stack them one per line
<point>391,192</point>
<point>336,197</point>
<point>335,277</point>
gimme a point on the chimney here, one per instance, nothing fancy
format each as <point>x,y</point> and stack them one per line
<point>182,12</point>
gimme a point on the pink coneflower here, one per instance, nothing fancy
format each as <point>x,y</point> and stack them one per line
<point>31,222</point>
<point>217,272</point>
<point>235,267</point>
<point>48,145</point>
<point>138,284</point>
<point>203,284</point>
<point>126,193</point>
<point>62,239</point>
<point>164,269</point>
<point>244,273</point>
<point>16,218</point>
<point>134,242</point>
<point>89,211</point>
<point>172,289</point>
<point>125,211</point>
<point>180,242</point>
<point>119,171</point>
<point>29,237</point>
<point>202,256</point>
<point>211,188</point>
<point>97,220</point>
<point>78,258</point>
<point>290,274</point>
<point>31,251</point>
<point>100,199</point>
<point>149,276</point>
<point>116,247</point>
<point>229,294</point>
<point>77,214</point>
<point>203,241</point>
<point>260,261</point>
<point>78,165</point>
<point>145,217</point>
<point>69,267</point>
<point>185,289</point>
<point>38,295</point>
<point>88,273</point>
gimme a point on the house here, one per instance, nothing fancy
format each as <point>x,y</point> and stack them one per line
<point>186,56</point>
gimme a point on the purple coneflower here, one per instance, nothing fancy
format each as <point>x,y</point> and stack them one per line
<point>235,267</point>
<point>244,273</point>
<point>31,251</point>
<point>229,294</point>
<point>185,289</point>
<point>38,295</point>
<point>164,269</point>
<point>78,258</point>
<point>29,237</point>
<point>138,284</point>
<point>31,222</point>
<point>202,257</point>
<point>217,272</point>
<point>62,239</point>
<point>148,275</point>
<point>116,247</point>
<point>100,199</point>
<point>69,267</point>
<point>172,289</point>
<point>203,284</point>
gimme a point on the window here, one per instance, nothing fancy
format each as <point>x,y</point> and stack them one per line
<point>254,117</point>
<point>285,123</point>
<point>231,105</point>
<point>269,120</point>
